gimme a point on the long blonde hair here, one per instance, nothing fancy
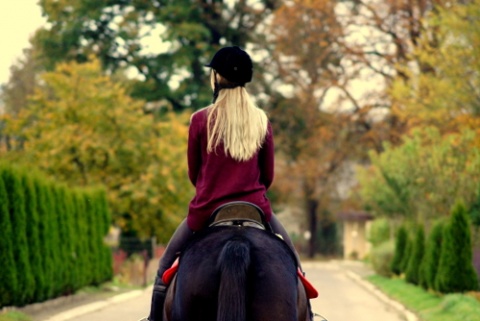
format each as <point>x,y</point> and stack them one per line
<point>236,121</point>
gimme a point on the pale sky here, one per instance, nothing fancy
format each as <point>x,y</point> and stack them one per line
<point>18,21</point>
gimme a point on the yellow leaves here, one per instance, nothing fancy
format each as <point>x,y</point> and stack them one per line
<point>442,89</point>
<point>83,128</point>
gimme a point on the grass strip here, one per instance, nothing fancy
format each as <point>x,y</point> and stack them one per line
<point>14,316</point>
<point>426,305</point>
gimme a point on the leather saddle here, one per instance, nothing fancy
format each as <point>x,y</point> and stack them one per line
<point>239,214</point>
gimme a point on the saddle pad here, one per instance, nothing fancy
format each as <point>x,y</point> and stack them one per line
<point>170,273</point>
<point>312,293</point>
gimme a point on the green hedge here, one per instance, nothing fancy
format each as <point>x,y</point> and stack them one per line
<point>455,268</point>
<point>52,237</point>
<point>442,261</point>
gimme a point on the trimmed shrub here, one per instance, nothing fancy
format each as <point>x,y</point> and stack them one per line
<point>16,207</point>
<point>7,261</point>
<point>382,257</point>
<point>104,222</point>
<point>33,238</point>
<point>46,249</point>
<point>379,232</point>
<point>63,236</point>
<point>456,272</point>
<point>412,273</point>
<point>433,247</point>
<point>401,239</point>
<point>60,249</point>
<point>407,254</point>
<point>69,246</point>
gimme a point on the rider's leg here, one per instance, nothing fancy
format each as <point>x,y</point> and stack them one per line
<point>176,244</point>
<point>278,228</point>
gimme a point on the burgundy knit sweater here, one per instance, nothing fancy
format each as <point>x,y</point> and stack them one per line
<point>219,179</point>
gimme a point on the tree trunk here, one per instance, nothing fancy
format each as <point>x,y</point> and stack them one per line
<point>312,206</point>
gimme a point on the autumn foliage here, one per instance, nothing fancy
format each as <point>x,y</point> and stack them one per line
<point>83,128</point>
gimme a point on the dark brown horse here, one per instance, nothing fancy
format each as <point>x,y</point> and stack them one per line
<point>236,273</point>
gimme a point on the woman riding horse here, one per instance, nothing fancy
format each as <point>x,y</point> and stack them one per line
<point>230,158</point>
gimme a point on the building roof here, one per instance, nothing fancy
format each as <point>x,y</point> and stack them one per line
<point>358,216</point>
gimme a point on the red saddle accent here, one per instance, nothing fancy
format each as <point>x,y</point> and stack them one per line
<point>312,293</point>
<point>170,273</point>
<point>309,288</point>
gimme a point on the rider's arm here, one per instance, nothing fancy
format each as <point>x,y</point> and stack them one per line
<point>194,154</point>
<point>266,159</point>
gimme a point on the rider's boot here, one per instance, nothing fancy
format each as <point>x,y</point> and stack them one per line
<point>158,300</point>
<point>278,228</point>
<point>175,246</point>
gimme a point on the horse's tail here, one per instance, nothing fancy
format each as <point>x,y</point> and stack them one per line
<point>234,261</point>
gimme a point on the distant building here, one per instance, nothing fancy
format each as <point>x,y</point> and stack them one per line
<point>355,230</point>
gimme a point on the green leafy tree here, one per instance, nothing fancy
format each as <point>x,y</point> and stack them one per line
<point>401,239</point>
<point>429,266</point>
<point>412,273</point>
<point>7,260</point>
<point>456,272</point>
<point>120,33</point>
<point>422,177</point>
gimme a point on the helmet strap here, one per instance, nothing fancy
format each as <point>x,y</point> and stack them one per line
<point>217,86</point>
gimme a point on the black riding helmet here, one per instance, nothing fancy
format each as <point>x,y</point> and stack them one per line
<point>234,64</point>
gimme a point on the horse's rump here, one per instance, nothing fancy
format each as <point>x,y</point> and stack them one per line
<point>236,274</point>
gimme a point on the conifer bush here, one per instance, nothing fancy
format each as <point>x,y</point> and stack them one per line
<point>7,261</point>
<point>16,208</point>
<point>45,240</point>
<point>406,254</point>
<point>400,247</point>
<point>52,238</point>
<point>51,218</point>
<point>33,238</point>
<point>60,214</point>
<point>456,272</point>
<point>104,226</point>
<point>412,273</point>
<point>433,247</point>
<point>68,221</point>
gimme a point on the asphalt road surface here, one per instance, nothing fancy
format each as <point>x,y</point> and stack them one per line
<point>340,299</point>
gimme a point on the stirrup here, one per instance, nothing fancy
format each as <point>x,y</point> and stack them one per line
<point>322,318</point>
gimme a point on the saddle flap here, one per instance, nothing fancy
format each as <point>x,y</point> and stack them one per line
<point>170,273</point>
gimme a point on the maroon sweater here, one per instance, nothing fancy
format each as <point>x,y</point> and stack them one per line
<point>220,179</point>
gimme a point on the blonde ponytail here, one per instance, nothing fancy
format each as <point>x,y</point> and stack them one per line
<point>237,122</point>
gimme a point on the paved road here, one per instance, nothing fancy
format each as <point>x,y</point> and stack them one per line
<point>340,299</point>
